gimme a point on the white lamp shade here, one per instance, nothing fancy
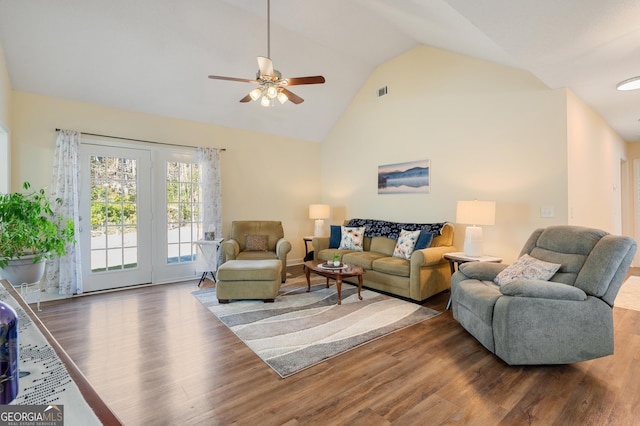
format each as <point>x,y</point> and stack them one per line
<point>319,211</point>
<point>476,212</point>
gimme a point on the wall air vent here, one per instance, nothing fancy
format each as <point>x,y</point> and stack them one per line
<point>382,91</point>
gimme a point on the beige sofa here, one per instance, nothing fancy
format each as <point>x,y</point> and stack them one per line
<point>425,274</point>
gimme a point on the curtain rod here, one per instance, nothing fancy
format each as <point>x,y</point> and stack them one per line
<point>140,140</point>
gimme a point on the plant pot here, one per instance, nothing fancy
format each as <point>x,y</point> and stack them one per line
<point>23,270</point>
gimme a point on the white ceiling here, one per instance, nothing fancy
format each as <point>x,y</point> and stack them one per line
<point>154,55</point>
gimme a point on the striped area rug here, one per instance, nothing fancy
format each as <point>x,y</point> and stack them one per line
<point>302,329</point>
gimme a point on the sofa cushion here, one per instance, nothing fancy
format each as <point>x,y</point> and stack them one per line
<point>527,267</point>
<point>362,258</point>
<point>392,266</point>
<point>327,254</point>
<point>352,238</point>
<point>382,245</point>
<point>406,242</point>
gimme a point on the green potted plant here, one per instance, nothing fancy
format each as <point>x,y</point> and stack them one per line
<point>30,233</point>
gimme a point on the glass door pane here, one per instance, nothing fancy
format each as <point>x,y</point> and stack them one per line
<point>184,205</point>
<point>113,183</point>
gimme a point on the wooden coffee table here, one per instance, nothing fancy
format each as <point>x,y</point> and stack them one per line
<point>336,274</point>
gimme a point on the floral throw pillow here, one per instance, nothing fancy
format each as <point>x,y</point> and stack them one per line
<point>406,243</point>
<point>529,268</point>
<point>352,238</point>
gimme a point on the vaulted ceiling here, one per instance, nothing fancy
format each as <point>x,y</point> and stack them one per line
<point>154,56</point>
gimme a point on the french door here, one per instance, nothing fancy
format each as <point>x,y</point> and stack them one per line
<point>115,211</point>
<point>140,215</point>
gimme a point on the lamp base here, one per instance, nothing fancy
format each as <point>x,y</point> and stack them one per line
<point>319,229</point>
<point>473,241</point>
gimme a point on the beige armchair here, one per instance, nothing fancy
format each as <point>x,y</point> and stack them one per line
<point>257,240</point>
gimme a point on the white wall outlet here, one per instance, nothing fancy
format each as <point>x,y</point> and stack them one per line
<point>547,212</point>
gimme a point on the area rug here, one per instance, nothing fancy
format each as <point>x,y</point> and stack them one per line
<point>629,294</point>
<point>44,379</point>
<point>302,329</point>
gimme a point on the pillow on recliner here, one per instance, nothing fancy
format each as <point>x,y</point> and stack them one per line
<point>529,268</point>
<point>256,242</point>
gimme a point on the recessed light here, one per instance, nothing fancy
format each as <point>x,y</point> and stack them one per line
<point>629,84</point>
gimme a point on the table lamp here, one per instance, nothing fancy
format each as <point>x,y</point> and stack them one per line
<point>475,213</point>
<point>319,212</point>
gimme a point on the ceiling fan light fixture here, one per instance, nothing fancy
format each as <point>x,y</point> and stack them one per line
<point>272,92</point>
<point>256,93</point>
<point>629,84</point>
<point>265,101</point>
<point>282,97</point>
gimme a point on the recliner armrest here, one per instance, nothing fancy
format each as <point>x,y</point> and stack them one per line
<point>542,290</point>
<point>483,271</point>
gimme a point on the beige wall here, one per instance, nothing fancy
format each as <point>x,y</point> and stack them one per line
<point>597,161</point>
<point>491,133</point>
<point>264,177</point>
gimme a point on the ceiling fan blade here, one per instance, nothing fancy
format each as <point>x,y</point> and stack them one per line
<point>265,65</point>
<point>246,99</point>
<point>242,80</point>
<point>296,81</point>
<point>292,96</point>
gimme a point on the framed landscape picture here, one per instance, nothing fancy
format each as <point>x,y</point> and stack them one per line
<point>404,178</point>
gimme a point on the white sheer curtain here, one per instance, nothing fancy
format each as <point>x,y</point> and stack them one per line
<point>64,274</point>
<point>209,160</point>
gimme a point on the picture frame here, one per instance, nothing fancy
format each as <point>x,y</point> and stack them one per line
<point>413,177</point>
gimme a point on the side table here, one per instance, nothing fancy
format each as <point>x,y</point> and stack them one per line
<point>457,258</point>
<point>307,255</point>
<point>207,258</point>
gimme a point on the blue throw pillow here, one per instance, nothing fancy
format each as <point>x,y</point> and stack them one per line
<point>424,240</point>
<point>335,236</point>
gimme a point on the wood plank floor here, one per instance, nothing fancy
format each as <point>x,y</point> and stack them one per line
<point>158,357</point>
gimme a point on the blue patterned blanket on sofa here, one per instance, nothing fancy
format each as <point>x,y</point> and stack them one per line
<point>383,228</point>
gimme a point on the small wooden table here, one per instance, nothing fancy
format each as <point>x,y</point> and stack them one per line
<point>336,274</point>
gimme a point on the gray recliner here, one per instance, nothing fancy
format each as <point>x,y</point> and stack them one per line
<point>565,320</point>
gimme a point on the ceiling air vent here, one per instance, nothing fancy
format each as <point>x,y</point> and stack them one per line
<point>382,91</point>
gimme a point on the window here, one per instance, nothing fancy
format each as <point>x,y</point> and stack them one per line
<point>184,211</point>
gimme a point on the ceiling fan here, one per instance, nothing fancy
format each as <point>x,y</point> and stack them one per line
<point>271,85</point>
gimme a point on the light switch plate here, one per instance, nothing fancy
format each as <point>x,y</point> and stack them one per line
<point>547,212</point>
